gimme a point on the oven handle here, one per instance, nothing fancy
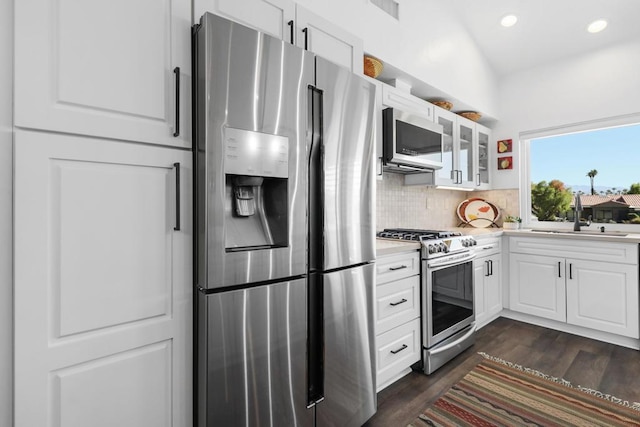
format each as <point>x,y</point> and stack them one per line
<point>471,331</point>
<point>445,263</point>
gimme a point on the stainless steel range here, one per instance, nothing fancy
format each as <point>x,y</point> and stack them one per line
<point>448,317</point>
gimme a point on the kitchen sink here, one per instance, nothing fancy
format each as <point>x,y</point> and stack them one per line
<point>585,232</point>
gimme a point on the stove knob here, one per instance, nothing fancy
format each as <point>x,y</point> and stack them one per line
<point>431,249</point>
<point>474,242</point>
<point>443,248</point>
<point>465,242</point>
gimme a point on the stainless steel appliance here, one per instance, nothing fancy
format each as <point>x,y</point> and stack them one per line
<point>410,143</point>
<point>448,318</point>
<point>284,234</point>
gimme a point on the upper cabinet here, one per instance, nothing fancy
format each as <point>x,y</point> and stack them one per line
<point>324,38</point>
<point>465,151</point>
<point>118,69</point>
<point>269,16</point>
<point>293,23</point>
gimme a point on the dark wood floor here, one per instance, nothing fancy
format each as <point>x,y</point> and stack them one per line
<point>605,367</point>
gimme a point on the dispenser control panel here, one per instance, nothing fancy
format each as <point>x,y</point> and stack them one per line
<point>255,154</point>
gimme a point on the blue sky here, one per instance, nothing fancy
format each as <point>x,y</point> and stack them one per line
<point>613,152</point>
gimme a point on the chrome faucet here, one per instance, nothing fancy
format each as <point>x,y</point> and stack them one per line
<point>578,208</point>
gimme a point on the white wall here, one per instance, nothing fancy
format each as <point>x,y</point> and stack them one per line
<point>6,204</point>
<point>599,85</point>
<point>428,42</point>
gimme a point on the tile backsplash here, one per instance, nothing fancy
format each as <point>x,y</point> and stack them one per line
<point>420,206</point>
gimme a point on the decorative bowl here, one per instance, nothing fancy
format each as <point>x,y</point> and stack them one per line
<point>443,104</point>
<point>372,66</point>
<point>471,115</point>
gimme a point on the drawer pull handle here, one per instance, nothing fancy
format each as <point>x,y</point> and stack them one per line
<point>402,301</point>
<point>397,268</point>
<point>399,350</point>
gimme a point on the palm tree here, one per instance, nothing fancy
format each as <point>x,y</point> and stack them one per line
<point>592,174</point>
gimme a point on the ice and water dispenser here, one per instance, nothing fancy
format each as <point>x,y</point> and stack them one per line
<point>256,167</point>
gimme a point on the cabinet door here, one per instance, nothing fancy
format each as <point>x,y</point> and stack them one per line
<point>396,98</point>
<point>603,296</point>
<point>324,38</point>
<point>493,287</point>
<point>269,16</point>
<point>483,136</point>
<point>537,285</point>
<point>102,297</point>
<point>466,155</point>
<point>448,175</point>
<point>480,272</point>
<point>105,69</point>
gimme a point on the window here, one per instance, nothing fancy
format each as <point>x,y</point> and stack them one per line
<point>601,167</point>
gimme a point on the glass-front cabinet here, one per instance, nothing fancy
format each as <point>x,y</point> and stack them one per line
<point>460,151</point>
<point>482,174</point>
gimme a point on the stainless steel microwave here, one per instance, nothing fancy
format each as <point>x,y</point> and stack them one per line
<point>410,143</point>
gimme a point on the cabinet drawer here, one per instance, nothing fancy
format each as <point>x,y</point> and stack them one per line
<point>488,246</point>
<point>397,303</point>
<point>399,266</point>
<point>397,350</point>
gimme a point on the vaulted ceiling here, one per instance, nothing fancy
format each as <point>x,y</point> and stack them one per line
<point>547,30</point>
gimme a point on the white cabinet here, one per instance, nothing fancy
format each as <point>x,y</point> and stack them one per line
<point>397,316</point>
<point>603,296</point>
<point>326,39</point>
<point>102,286</point>
<point>487,269</point>
<point>397,98</point>
<point>269,16</point>
<point>293,23</point>
<point>585,283</point>
<point>107,69</point>
<point>465,151</point>
<point>537,286</point>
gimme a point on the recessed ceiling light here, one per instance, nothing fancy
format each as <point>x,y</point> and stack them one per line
<point>597,26</point>
<point>509,21</point>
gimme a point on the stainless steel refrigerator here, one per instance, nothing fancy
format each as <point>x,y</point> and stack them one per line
<point>284,234</point>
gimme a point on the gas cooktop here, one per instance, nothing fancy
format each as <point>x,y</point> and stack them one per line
<point>415,234</point>
<point>435,243</point>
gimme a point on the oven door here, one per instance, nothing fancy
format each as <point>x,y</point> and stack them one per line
<point>447,297</point>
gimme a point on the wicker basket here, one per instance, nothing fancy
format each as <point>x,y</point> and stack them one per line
<point>372,66</point>
<point>471,115</point>
<point>443,104</point>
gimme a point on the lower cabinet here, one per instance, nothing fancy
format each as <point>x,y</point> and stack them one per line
<point>103,295</point>
<point>487,282</point>
<point>588,284</point>
<point>397,316</point>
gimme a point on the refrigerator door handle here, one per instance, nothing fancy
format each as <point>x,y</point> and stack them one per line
<point>315,297</point>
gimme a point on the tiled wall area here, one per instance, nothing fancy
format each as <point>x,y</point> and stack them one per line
<point>419,206</point>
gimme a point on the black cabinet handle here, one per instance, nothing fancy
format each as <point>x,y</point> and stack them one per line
<point>397,268</point>
<point>559,273</point>
<point>305,30</point>
<point>176,71</point>
<point>488,273</point>
<point>491,265</point>
<point>399,350</point>
<point>290,24</point>
<point>177,166</point>
<point>402,301</point>
<point>570,271</point>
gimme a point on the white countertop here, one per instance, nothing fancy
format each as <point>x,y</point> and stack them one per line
<point>389,246</point>
<point>577,235</point>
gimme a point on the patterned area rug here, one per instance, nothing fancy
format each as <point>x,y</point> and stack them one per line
<point>500,393</point>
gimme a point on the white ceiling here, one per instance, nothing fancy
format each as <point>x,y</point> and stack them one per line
<point>547,30</point>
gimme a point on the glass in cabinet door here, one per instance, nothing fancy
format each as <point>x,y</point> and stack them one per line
<point>448,125</point>
<point>483,158</point>
<point>466,153</point>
